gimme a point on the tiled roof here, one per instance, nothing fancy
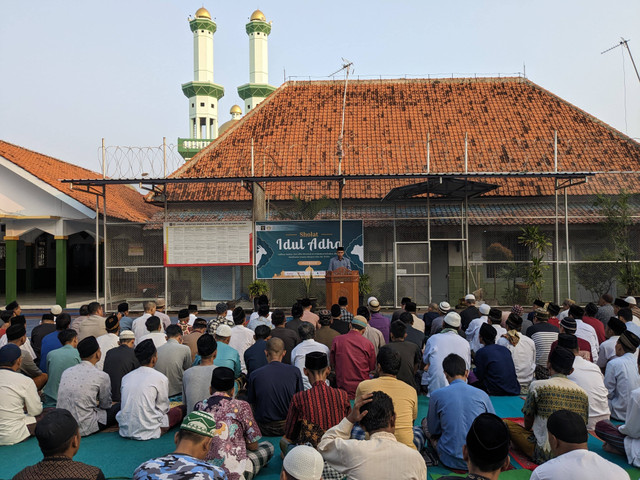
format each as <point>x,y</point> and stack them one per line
<point>509,123</point>
<point>123,202</point>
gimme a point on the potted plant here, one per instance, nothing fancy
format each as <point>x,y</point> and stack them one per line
<point>364,287</point>
<point>257,288</point>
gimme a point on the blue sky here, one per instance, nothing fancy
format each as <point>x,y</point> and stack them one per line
<point>76,71</point>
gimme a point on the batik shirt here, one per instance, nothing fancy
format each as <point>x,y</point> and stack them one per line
<point>235,427</point>
<point>177,466</point>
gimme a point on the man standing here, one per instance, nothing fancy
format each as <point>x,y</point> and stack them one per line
<point>85,391</point>
<point>57,362</point>
<point>438,347</point>
<point>271,388</point>
<point>109,340</point>
<point>93,325</point>
<point>353,357</point>
<point>471,312</point>
<point>139,324</point>
<point>119,361</point>
<point>523,351</point>
<point>308,345</point>
<point>382,456</point>
<point>339,261</point>
<point>241,336</point>
<point>173,359</point>
<point>378,320</point>
<point>287,335</point>
<point>193,442</point>
<point>145,411</point>
<point>312,412</point>
<point>405,398</point>
<point>621,375</point>
<point>494,366</point>
<point>18,394</point>
<point>410,354</point>
<point>452,410</point>
<point>197,380</point>
<point>193,313</point>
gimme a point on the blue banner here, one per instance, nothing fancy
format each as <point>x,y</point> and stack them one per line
<point>295,248</point>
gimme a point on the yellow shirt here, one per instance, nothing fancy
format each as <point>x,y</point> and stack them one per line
<point>405,403</point>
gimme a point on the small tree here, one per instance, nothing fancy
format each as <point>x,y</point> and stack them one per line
<point>597,278</point>
<point>537,242</point>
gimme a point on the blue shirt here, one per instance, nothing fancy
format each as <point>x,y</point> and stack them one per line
<point>495,369</point>
<point>49,343</point>
<point>254,356</point>
<point>334,263</point>
<point>126,323</point>
<point>452,410</point>
<point>228,357</point>
<point>271,389</point>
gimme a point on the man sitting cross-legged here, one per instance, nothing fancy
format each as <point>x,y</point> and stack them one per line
<point>86,391</point>
<point>486,450</point>
<point>188,461</point>
<point>382,456</point>
<point>145,411</point>
<point>544,398</point>
<point>405,398</point>
<point>314,411</point>
<point>452,410</point>
<point>119,361</point>
<point>59,440</point>
<point>235,441</point>
<point>572,459</point>
<point>58,361</point>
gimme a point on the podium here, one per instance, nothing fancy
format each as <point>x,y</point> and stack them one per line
<point>343,282</point>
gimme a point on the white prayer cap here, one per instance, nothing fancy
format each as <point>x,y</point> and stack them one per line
<point>56,310</point>
<point>484,309</point>
<point>304,463</point>
<point>470,296</point>
<point>631,300</point>
<point>452,319</point>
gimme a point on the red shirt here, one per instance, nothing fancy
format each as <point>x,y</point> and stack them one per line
<point>353,357</point>
<point>583,346</point>
<point>315,411</point>
<point>597,325</point>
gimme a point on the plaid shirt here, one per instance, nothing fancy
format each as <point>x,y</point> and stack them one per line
<point>347,316</point>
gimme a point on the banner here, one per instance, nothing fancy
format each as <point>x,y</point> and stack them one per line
<point>294,248</point>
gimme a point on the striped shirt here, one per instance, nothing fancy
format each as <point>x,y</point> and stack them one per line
<point>314,411</point>
<point>543,335</point>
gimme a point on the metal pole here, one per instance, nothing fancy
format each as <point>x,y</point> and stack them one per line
<point>566,234</point>
<point>340,186</point>
<point>166,270</point>
<point>466,158</point>
<point>252,160</point>
<point>466,243</point>
<point>428,153</point>
<point>395,260</point>
<point>557,242</point>
<point>429,241</point>
<point>97,248</point>
<point>104,224</point>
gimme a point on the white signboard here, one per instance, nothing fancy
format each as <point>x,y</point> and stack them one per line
<point>206,244</point>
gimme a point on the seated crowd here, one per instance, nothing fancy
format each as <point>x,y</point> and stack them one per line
<point>340,390</point>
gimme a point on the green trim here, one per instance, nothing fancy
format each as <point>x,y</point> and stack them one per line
<point>61,272</point>
<point>11,271</point>
<point>249,90</point>
<point>258,26</point>
<point>188,147</point>
<point>206,89</point>
<point>202,24</point>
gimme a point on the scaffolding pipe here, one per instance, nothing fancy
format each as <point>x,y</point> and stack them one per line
<point>557,242</point>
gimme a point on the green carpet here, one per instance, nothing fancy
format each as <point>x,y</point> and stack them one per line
<point>118,457</point>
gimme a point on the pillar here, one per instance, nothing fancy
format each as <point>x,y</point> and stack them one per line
<point>28,264</point>
<point>61,271</point>
<point>11,269</point>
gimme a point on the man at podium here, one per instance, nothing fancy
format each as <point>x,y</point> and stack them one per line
<point>339,261</point>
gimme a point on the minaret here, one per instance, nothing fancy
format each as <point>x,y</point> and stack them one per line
<point>202,93</point>
<point>258,87</point>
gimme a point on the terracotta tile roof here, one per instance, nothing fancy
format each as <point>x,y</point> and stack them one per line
<point>123,201</point>
<point>509,122</point>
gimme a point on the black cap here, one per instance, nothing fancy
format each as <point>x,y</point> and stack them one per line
<point>145,350</point>
<point>316,361</point>
<point>111,323</point>
<point>340,249</point>
<point>567,340</point>
<point>206,345</point>
<point>562,359</point>
<point>222,379</point>
<point>193,308</point>
<point>15,331</point>
<point>488,438</point>
<point>616,325</point>
<point>553,309</point>
<point>184,313</point>
<point>55,428</point>
<point>88,346</point>
<point>495,314</point>
<point>567,426</point>
<point>619,302</point>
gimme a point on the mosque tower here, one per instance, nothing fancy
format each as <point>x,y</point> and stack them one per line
<point>258,87</point>
<point>202,93</point>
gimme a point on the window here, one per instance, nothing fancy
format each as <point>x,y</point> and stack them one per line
<point>212,106</point>
<point>193,105</point>
<point>504,243</point>
<point>202,104</point>
<point>41,253</point>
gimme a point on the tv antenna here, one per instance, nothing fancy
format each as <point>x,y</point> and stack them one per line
<point>625,43</point>
<point>346,65</point>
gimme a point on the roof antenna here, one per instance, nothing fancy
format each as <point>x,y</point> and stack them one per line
<point>625,43</point>
<point>346,65</point>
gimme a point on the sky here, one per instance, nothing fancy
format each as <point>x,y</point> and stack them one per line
<point>74,72</point>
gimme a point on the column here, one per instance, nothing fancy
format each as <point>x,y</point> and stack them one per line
<point>28,264</point>
<point>61,271</point>
<point>11,269</point>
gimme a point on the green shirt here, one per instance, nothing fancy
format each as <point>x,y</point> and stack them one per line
<point>57,362</point>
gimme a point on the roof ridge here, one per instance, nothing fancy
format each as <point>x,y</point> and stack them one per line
<point>509,79</point>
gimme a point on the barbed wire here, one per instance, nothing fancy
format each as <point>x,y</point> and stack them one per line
<point>134,162</point>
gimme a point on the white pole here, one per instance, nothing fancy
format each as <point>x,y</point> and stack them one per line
<point>428,154</point>
<point>466,159</point>
<point>252,159</point>
<point>166,270</point>
<point>104,224</point>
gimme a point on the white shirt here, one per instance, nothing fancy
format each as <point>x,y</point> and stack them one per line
<point>588,333</point>
<point>621,378</point>
<point>563,314</point>
<point>241,339</point>
<point>16,392</point>
<point>524,358</point>
<point>607,351</point>
<point>588,375</point>
<point>139,328</point>
<point>500,330</point>
<point>579,464</point>
<point>418,323</point>
<point>106,342</point>
<point>631,429</point>
<point>164,319</point>
<point>254,316</point>
<point>144,404</point>
<point>159,338</point>
<point>192,318</point>
<point>437,348</point>
<point>473,332</point>
<point>299,353</point>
